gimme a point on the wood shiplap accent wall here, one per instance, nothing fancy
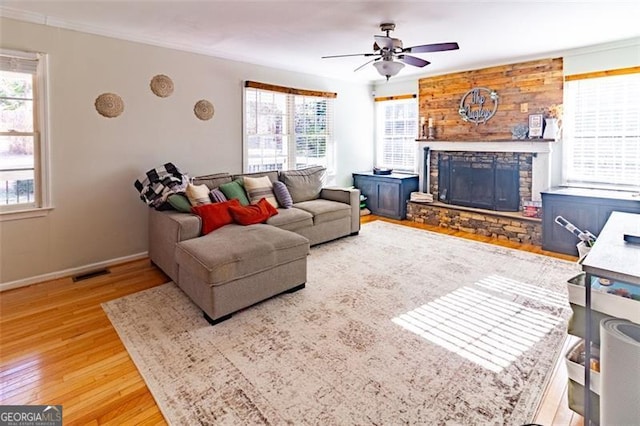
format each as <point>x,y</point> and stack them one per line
<point>538,84</point>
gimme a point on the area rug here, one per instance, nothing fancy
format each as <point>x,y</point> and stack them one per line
<point>396,325</point>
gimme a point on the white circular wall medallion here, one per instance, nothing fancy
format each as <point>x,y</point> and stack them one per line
<point>203,109</point>
<point>109,105</point>
<point>161,85</point>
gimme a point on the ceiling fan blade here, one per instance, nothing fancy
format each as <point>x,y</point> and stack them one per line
<point>412,60</point>
<point>365,64</point>
<point>352,54</point>
<point>436,47</point>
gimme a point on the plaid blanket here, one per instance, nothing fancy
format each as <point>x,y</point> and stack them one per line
<point>159,183</point>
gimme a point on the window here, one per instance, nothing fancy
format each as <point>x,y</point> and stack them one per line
<point>22,140</point>
<point>397,129</point>
<point>602,131</point>
<point>287,128</point>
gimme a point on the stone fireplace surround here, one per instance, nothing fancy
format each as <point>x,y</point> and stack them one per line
<point>540,164</point>
<point>534,178</point>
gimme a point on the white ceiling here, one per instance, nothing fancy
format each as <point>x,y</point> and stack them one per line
<point>294,34</point>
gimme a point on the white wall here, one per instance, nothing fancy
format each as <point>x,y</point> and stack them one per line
<point>98,215</point>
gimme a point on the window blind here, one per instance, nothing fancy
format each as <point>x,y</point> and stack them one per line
<point>397,129</point>
<point>288,128</point>
<point>602,132</point>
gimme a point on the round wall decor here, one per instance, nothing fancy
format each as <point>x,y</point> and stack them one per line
<point>161,85</point>
<point>109,105</point>
<point>203,109</point>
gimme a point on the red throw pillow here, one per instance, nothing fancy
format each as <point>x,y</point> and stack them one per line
<point>215,215</point>
<point>254,213</point>
<point>267,207</point>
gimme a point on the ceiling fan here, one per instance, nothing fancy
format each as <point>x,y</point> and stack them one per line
<point>386,49</point>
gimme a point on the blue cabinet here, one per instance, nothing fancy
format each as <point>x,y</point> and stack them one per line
<point>387,195</point>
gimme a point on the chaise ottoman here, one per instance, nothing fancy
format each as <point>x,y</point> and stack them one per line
<point>237,266</point>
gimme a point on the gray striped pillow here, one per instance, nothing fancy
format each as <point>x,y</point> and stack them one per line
<point>282,195</point>
<point>217,196</point>
<point>258,188</point>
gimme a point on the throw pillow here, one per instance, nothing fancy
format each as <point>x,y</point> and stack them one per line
<point>217,196</point>
<point>252,214</point>
<point>235,190</point>
<point>215,215</point>
<point>258,188</point>
<point>180,203</point>
<point>198,194</point>
<point>267,207</point>
<point>282,195</point>
<point>304,184</point>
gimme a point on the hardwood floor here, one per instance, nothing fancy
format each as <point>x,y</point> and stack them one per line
<point>57,346</point>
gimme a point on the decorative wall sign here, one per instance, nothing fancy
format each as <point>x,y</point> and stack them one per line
<point>109,105</point>
<point>161,85</point>
<point>474,105</point>
<point>203,109</point>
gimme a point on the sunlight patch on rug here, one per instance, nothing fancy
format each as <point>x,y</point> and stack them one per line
<point>482,328</point>
<point>508,286</point>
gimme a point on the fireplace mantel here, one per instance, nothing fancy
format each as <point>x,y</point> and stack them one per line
<point>541,150</point>
<point>526,145</point>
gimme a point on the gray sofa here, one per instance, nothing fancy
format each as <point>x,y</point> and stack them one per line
<point>237,266</point>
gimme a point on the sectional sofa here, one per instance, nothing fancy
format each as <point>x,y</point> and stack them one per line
<point>236,266</point>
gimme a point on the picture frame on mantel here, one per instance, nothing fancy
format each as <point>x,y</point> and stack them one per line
<point>536,125</point>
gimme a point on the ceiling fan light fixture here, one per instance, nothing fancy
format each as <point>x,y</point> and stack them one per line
<point>388,68</point>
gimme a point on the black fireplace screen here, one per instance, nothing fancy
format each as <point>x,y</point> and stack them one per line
<point>483,181</point>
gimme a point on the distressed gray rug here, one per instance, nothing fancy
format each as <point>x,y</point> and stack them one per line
<point>396,325</point>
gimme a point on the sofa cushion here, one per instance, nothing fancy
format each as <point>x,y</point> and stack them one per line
<point>198,194</point>
<point>325,210</point>
<point>291,219</point>
<point>235,190</point>
<point>282,195</point>
<point>304,184</point>
<point>272,175</point>
<point>255,248</point>
<point>215,215</point>
<point>258,188</point>
<point>212,181</point>
<point>254,213</point>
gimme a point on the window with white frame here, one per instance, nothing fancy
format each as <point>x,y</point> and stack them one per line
<point>601,131</point>
<point>23,153</point>
<point>286,128</point>
<point>397,129</point>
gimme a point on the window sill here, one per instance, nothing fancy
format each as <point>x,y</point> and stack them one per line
<point>24,214</point>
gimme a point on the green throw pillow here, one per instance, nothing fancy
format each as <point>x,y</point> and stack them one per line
<point>180,203</point>
<point>235,190</point>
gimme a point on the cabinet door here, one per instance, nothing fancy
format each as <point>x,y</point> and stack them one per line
<point>389,199</point>
<point>368,188</point>
<point>582,215</point>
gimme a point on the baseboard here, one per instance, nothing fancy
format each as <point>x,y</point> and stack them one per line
<point>71,271</point>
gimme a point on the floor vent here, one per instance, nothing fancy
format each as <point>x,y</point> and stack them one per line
<point>91,274</point>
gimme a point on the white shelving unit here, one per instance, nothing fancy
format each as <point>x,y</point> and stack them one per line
<point>614,259</point>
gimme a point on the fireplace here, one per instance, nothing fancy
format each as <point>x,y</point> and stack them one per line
<point>482,180</point>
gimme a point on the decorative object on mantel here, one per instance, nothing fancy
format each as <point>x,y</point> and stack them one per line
<point>423,128</point>
<point>553,123</point>
<point>161,85</point>
<point>519,131</point>
<point>109,105</point>
<point>473,108</point>
<point>536,125</point>
<point>432,130</point>
<point>203,109</point>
